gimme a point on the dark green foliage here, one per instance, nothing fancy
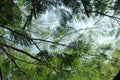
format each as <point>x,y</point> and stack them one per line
<point>117,7</point>
<point>9,13</point>
<point>101,5</point>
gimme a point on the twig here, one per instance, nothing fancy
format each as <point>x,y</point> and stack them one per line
<point>113,17</point>
<point>23,60</point>
<point>36,46</point>
<point>49,42</point>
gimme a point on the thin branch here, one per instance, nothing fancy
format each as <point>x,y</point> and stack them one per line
<point>7,28</point>
<point>18,43</point>
<point>85,7</point>
<point>62,43</point>
<point>36,46</point>
<point>33,38</point>
<point>23,60</point>
<point>19,50</point>
<point>24,52</point>
<point>50,42</point>
<point>23,36</point>
<point>113,17</point>
<point>44,63</point>
<point>12,60</point>
<point>106,5</point>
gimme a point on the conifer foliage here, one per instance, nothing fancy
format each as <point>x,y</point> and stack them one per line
<point>74,62</point>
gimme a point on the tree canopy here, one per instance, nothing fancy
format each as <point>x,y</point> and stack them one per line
<point>59,39</point>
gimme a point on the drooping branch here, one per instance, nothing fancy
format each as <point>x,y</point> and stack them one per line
<point>19,50</point>
<point>34,38</point>
<point>28,38</point>
<point>12,59</point>
<point>50,42</point>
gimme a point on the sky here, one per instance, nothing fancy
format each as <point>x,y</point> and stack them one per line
<point>102,30</point>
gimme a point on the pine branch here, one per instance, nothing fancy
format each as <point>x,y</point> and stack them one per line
<point>19,50</point>
<point>32,39</point>
<point>9,56</point>
<point>49,42</point>
<point>28,38</point>
<point>22,60</point>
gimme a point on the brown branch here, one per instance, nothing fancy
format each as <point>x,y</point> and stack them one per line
<point>18,43</point>
<point>19,50</point>
<point>9,56</point>
<point>21,35</point>
<point>54,43</point>
<point>49,42</point>
<point>32,39</point>
<point>36,46</point>
<point>43,40</point>
<point>12,57</point>
<point>85,7</point>
<point>101,13</point>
